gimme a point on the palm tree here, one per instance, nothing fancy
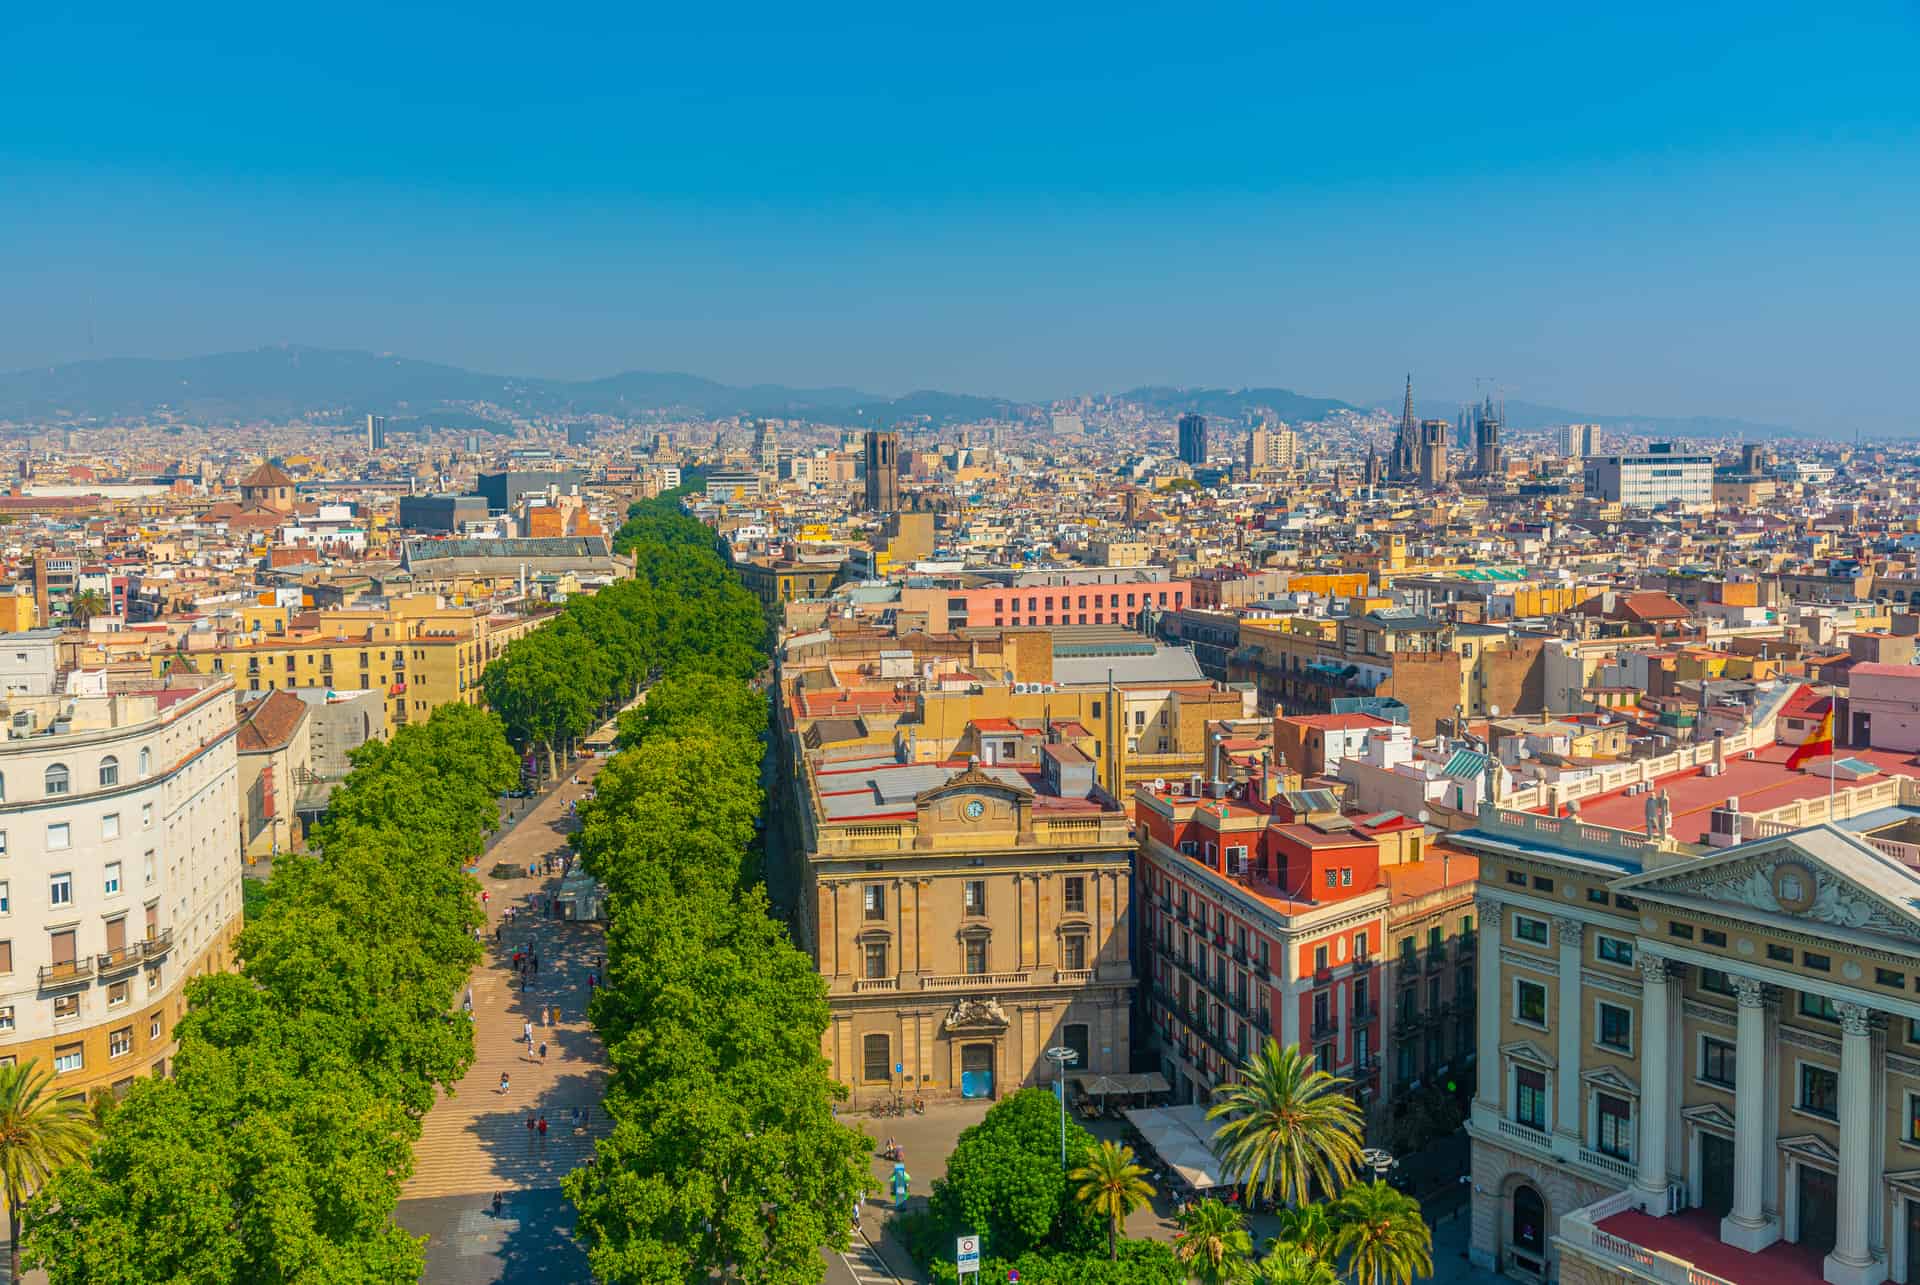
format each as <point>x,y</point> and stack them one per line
<point>1306,1229</point>
<point>1213,1243</point>
<point>38,1134</point>
<point>1289,1264</point>
<point>85,605</point>
<point>1287,1125</point>
<point>1383,1235</point>
<point>1113,1186</point>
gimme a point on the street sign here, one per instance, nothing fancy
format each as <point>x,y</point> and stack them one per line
<point>966,1254</point>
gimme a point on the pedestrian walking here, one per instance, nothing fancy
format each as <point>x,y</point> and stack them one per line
<point>526,1033</point>
<point>532,1130</point>
<point>543,1016</point>
<point>536,965</point>
<point>517,959</point>
<point>543,1129</point>
<point>543,1052</point>
<point>856,1213</point>
<point>503,1083</point>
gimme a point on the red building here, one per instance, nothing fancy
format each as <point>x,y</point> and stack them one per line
<point>1271,916</point>
<point>1063,604</point>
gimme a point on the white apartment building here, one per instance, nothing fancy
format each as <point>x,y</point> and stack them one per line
<point>1660,475</point>
<point>119,874</point>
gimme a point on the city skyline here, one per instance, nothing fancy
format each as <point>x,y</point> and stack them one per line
<point>1016,207</point>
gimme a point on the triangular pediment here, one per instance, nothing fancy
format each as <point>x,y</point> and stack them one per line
<point>972,779</point>
<point>1820,880</point>
<point>1529,1052</point>
<point>1710,1115</point>
<point>1610,1080</point>
<point>1811,1146</point>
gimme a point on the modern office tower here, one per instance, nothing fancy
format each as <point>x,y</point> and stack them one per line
<point>882,453</point>
<point>1193,439</point>
<point>376,432</point>
<point>1433,451</point>
<point>1577,441</point>
<point>1660,475</point>
<point>581,432</point>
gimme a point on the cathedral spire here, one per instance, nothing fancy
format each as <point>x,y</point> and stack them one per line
<point>1406,411</point>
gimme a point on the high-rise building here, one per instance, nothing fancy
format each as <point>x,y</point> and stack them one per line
<point>1433,451</point>
<point>1193,439</point>
<point>1271,448</point>
<point>1660,475</point>
<point>1488,458</point>
<point>376,432</point>
<point>882,454</point>
<point>1577,441</point>
<point>766,447</point>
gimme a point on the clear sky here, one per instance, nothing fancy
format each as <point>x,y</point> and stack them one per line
<point>1673,208</point>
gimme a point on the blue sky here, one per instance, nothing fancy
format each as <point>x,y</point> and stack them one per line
<point>1694,209</point>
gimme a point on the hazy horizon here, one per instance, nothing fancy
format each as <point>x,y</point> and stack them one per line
<point>1641,211</point>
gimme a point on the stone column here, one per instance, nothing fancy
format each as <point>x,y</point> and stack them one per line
<point>1486,1059</point>
<point>1650,1186</point>
<point>1570,1119</point>
<point>1852,1261</point>
<point>1748,1226</point>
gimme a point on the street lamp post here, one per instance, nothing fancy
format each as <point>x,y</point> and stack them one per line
<point>1062,1057</point>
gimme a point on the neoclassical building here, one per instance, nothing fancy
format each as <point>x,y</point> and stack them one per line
<point>1698,1065</point>
<point>966,920</point>
<point>119,874</point>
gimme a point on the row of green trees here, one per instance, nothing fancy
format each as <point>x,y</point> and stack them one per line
<point>277,1149</point>
<point>725,1160</point>
<point>684,611</point>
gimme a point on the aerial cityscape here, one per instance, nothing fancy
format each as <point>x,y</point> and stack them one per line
<point>1087,647</point>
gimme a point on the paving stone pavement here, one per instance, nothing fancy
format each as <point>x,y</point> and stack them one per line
<point>475,1141</point>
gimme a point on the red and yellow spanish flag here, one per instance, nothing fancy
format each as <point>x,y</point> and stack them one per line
<point>1818,746</point>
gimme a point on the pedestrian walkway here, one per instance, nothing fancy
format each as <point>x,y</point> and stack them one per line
<point>865,1265</point>
<point>475,1140</point>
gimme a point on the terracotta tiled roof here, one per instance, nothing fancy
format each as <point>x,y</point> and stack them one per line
<point>266,475</point>
<point>270,723</point>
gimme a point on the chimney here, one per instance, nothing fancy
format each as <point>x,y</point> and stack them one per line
<point>1719,752</point>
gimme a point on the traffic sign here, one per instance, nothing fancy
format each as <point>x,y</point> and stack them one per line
<point>967,1253</point>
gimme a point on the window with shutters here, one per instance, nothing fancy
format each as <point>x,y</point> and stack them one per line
<point>876,1059</point>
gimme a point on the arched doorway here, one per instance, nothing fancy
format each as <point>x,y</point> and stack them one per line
<point>1527,1231</point>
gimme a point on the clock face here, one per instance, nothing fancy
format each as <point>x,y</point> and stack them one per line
<point>975,809</point>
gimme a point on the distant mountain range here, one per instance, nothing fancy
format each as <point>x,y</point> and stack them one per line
<point>290,382</point>
<point>341,386</point>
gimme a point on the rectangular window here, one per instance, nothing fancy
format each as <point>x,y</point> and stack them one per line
<point>1530,1002</point>
<point>68,1057</point>
<point>6,901</point>
<point>1913,1117</point>
<point>1333,878</point>
<point>1074,951</point>
<point>60,890</point>
<point>153,1028</point>
<point>1716,1062</point>
<point>1517,877</point>
<point>6,957</point>
<point>876,901</point>
<point>973,898</point>
<point>111,883</point>
<point>1712,979</point>
<point>1819,1006</point>
<point>876,959</point>
<point>59,835</point>
<point>1887,977</point>
<point>1712,937</point>
<point>1530,1098</point>
<point>1780,954</point>
<point>1819,963</point>
<point>976,955</point>
<point>110,826</point>
<point>1598,896</point>
<point>147,866</point>
<point>876,1059</point>
<point>1614,950</point>
<point>1615,1126</point>
<point>1616,1028</point>
<point>65,1006</point>
<point>1682,931</point>
<point>117,995</point>
<point>1076,894</point>
<point>1533,930</point>
<point>1542,884</point>
<point>146,815</point>
<point>6,1017</point>
<point>120,1042</point>
<point>1621,901</point>
<point>1819,1091</point>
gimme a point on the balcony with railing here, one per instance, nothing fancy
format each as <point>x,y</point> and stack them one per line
<point>157,944</point>
<point>123,959</point>
<point>1681,1249</point>
<point>972,981</point>
<point>1434,960</point>
<point>70,973</point>
<point>1326,1027</point>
